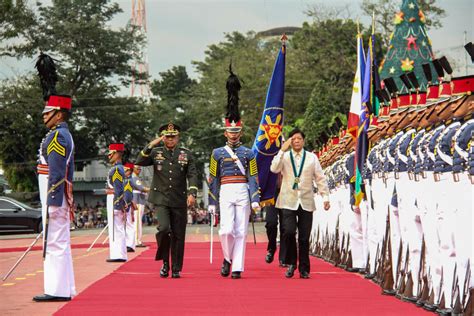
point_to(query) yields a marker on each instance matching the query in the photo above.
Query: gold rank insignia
(213, 167)
(128, 187)
(253, 167)
(117, 176)
(56, 146)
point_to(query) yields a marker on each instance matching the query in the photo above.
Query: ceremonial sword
(22, 256)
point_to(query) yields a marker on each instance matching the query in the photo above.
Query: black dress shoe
(389, 292)
(290, 271)
(164, 272)
(116, 260)
(430, 307)
(269, 256)
(140, 246)
(353, 270)
(281, 264)
(236, 275)
(446, 311)
(304, 275)
(175, 275)
(130, 249)
(225, 270)
(50, 298)
(369, 276)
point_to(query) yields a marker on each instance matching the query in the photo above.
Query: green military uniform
(168, 192)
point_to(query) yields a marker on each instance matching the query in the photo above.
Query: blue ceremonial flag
(268, 139)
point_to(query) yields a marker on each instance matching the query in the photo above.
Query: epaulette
(183, 148)
(467, 117)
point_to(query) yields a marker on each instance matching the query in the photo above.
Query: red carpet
(137, 289)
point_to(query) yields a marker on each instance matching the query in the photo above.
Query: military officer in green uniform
(171, 194)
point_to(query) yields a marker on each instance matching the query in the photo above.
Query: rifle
(404, 274)
(399, 277)
(386, 266)
(424, 287)
(336, 252)
(467, 281)
(343, 251)
(22, 256)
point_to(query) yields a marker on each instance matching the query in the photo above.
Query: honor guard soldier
(233, 186)
(130, 227)
(55, 172)
(116, 205)
(171, 194)
(139, 198)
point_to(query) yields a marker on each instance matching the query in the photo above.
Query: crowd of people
(86, 217)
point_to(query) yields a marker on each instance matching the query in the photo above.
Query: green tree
(89, 54)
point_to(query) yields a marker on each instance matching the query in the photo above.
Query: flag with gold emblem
(268, 140)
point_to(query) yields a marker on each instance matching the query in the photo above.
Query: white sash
(235, 158)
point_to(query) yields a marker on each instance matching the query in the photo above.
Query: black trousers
(171, 234)
(303, 220)
(271, 218)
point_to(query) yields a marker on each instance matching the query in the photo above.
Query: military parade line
(400, 189)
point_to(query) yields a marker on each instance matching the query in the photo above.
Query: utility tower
(139, 87)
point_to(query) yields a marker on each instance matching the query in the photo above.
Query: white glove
(256, 206)
(211, 209)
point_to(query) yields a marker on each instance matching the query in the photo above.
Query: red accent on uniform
(232, 124)
(433, 92)
(117, 147)
(62, 102)
(129, 166)
(463, 85)
(445, 89)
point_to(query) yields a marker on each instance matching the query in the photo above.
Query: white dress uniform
(232, 188)
(55, 172)
(115, 213)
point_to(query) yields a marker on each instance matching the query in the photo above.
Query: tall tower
(140, 87)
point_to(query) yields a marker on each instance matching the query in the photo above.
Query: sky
(179, 31)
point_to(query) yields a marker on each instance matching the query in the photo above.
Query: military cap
(169, 129)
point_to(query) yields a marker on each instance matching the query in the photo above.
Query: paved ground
(27, 280)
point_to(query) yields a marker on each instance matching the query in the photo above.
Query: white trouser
(130, 232)
(339, 212)
(371, 231)
(427, 201)
(410, 225)
(463, 234)
(380, 211)
(57, 265)
(445, 193)
(139, 223)
(116, 220)
(234, 205)
(357, 238)
(383, 192)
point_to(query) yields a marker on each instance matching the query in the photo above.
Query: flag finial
(373, 22)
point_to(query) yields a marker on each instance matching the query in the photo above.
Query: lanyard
(297, 175)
